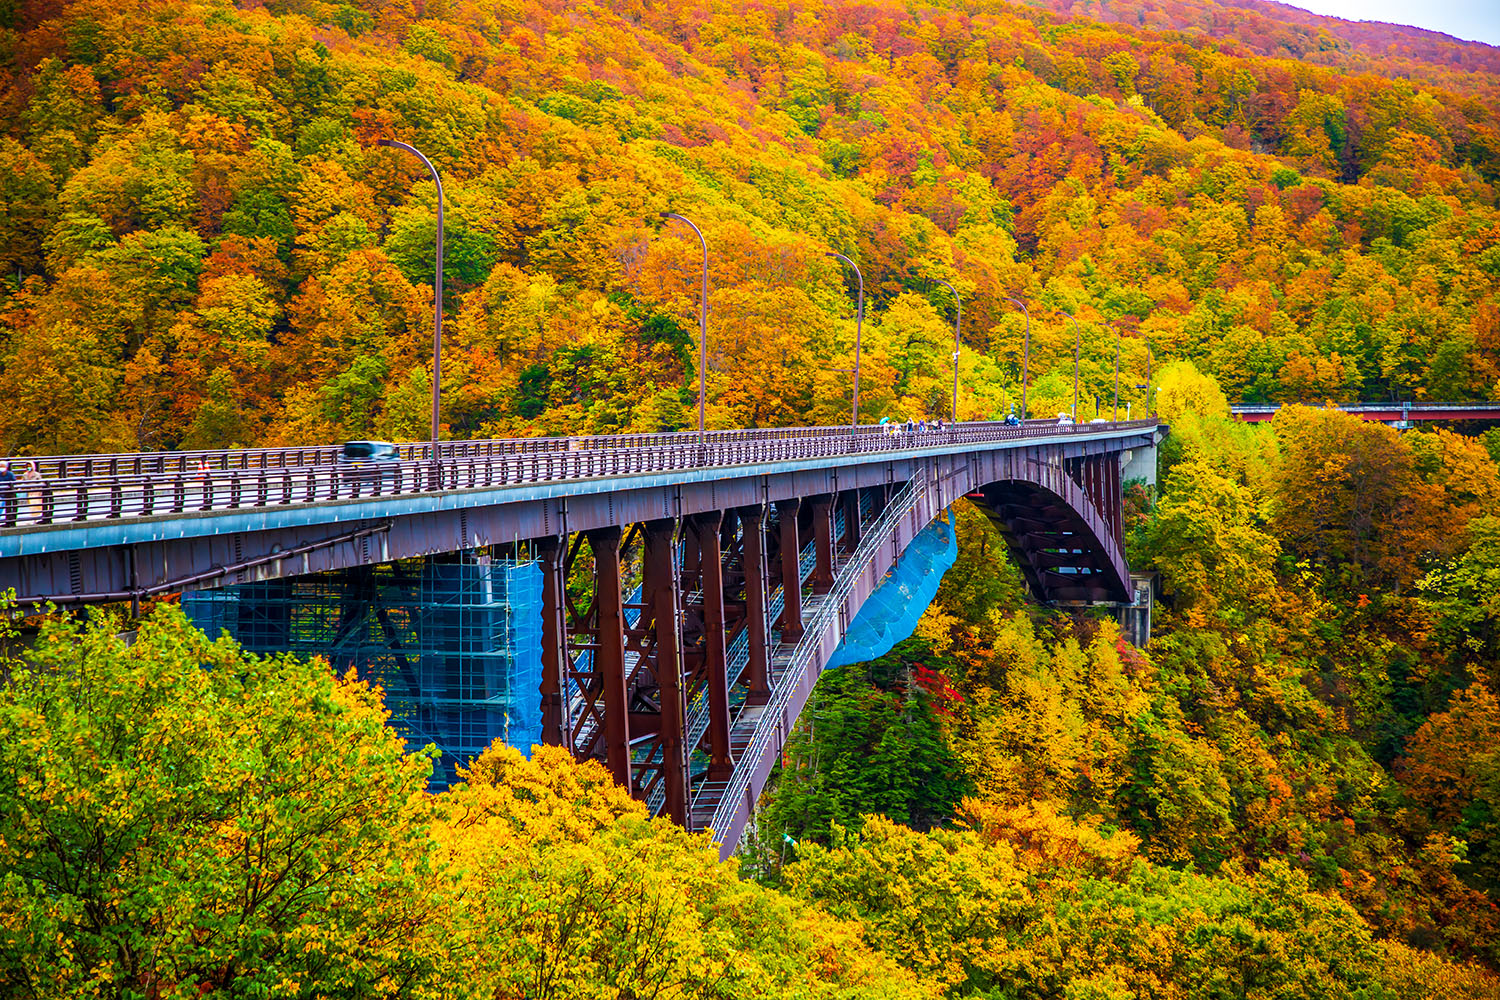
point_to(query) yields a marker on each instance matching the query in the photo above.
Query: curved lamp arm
(957, 324)
(702, 321)
(859, 322)
(437, 297)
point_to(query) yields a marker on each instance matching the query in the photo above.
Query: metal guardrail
(145, 463)
(184, 488)
(1374, 407)
(833, 605)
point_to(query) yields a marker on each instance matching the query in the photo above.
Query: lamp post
(1025, 354)
(957, 323)
(437, 297)
(1149, 359)
(859, 323)
(1077, 349)
(702, 322)
(1116, 415)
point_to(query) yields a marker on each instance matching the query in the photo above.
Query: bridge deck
(46, 515)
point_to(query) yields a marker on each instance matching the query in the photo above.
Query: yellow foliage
(569, 890)
(1181, 388)
(1047, 842)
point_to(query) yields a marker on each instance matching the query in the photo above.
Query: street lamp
(859, 322)
(1077, 348)
(1025, 354)
(702, 322)
(1149, 359)
(1116, 415)
(437, 296)
(957, 323)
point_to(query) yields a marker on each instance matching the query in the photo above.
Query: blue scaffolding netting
(890, 613)
(455, 646)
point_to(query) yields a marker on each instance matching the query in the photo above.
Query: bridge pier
(822, 518)
(753, 563)
(609, 652)
(713, 668)
(554, 639)
(1139, 463)
(850, 499)
(791, 569)
(659, 588)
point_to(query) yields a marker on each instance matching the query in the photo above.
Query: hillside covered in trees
(201, 244)
(1294, 791)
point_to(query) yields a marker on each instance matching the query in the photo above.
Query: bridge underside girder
(1063, 545)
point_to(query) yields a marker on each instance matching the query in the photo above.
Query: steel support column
(822, 518)
(609, 658)
(715, 669)
(757, 673)
(850, 500)
(791, 571)
(554, 639)
(659, 588)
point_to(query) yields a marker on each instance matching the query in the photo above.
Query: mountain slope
(208, 248)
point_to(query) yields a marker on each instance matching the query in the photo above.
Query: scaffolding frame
(453, 644)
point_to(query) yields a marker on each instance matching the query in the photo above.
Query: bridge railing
(181, 489)
(1412, 406)
(187, 463)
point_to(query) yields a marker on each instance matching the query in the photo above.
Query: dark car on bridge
(370, 462)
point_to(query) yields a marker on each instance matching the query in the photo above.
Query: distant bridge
(756, 549)
(1390, 413)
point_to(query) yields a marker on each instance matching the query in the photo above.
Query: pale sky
(1473, 20)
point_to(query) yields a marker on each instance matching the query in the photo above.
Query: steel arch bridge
(757, 549)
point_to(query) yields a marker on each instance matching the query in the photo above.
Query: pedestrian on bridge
(7, 496)
(32, 492)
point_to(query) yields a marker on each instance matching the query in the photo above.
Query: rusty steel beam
(753, 528)
(609, 658)
(850, 500)
(791, 570)
(660, 591)
(822, 525)
(554, 639)
(715, 670)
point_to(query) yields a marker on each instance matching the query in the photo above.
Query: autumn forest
(1292, 791)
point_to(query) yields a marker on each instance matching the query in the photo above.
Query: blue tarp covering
(454, 645)
(890, 614)
(523, 587)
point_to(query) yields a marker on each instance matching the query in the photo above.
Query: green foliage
(177, 818)
(870, 741)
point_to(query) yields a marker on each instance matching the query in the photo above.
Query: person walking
(32, 492)
(7, 496)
